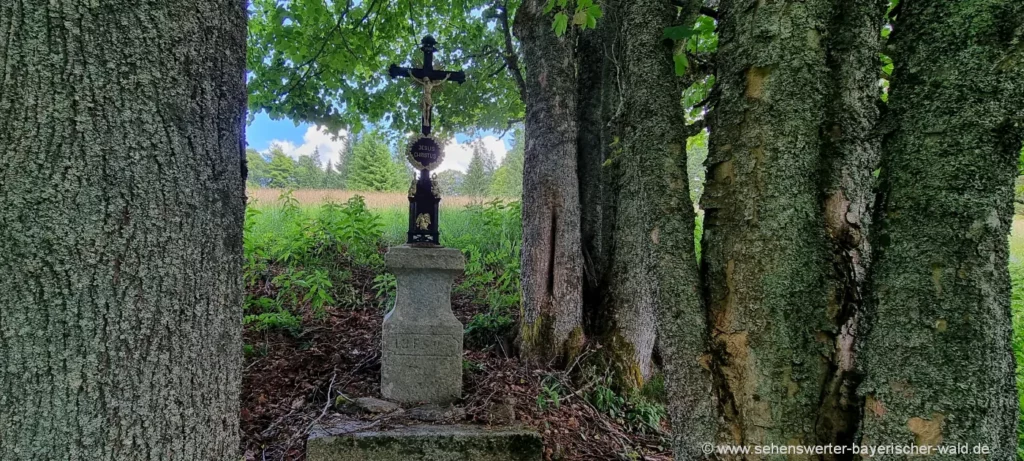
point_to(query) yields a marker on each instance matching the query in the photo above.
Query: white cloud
(457, 155)
(330, 147)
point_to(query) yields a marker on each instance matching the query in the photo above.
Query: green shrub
(606, 400)
(638, 411)
(643, 415)
(492, 269)
(300, 258)
(386, 287)
(489, 328)
(550, 393)
(266, 314)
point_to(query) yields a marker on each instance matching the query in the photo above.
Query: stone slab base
(423, 443)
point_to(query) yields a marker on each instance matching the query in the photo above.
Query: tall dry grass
(373, 199)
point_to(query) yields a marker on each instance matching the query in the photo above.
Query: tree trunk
(551, 322)
(937, 356)
(764, 245)
(850, 151)
(595, 86)
(121, 208)
(601, 113)
(656, 266)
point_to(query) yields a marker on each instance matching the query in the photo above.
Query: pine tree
(508, 178)
(308, 172)
(480, 172)
(373, 168)
(258, 169)
(332, 179)
(347, 158)
(281, 169)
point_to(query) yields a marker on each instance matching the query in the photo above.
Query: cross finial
(428, 48)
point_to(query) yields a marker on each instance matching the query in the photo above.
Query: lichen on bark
(764, 247)
(657, 280)
(121, 208)
(551, 257)
(937, 356)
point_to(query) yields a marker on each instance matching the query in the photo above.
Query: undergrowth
(299, 259)
(304, 263)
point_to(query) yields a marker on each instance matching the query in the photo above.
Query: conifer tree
(373, 168)
(480, 172)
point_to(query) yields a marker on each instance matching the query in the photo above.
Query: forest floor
(292, 382)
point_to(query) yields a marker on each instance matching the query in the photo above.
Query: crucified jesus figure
(427, 103)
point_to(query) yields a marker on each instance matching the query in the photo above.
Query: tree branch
(510, 55)
(498, 70)
(308, 65)
(486, 50)
(511, 123)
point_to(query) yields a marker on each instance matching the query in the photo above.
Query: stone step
(357, 442)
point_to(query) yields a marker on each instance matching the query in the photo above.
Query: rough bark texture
(121, 207)
(595, 74)
(850, 151)
(764, 243)
(647, 169)
(621, 306)
(551, 321)
(656, 269)
(937, 356)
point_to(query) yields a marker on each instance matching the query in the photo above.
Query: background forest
(370, 163)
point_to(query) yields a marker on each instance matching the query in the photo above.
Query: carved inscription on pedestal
(425, 345)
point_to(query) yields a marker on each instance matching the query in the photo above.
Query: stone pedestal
(422, 350)
(350, 442)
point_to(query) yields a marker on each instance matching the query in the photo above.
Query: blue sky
(303, 139)
(263, 130)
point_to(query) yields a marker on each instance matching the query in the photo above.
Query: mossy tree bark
(850, 152)
(764, 244)
(551, 327)
(121, 208)
(657, 278)
(937, 358)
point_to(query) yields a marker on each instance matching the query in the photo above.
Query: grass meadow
(391, 207)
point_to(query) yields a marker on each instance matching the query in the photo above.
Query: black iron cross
(427, 77)
(424, 196)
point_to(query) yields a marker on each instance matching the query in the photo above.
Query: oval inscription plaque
(425, 153)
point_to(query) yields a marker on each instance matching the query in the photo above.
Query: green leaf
(886, 63)
(560, 23)
(678, 32)
(681, 63)
(595, 11)
(705, 25)
(584, 4)
(591, 22)
(549, 6)
(580, 18)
